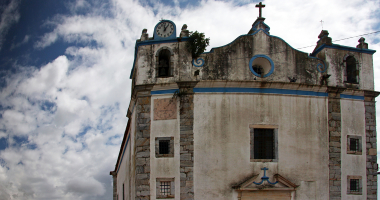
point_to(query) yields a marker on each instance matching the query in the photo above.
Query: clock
(165, 30)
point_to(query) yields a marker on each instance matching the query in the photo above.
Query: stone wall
(334, 124)
(186, 142)
(143, 148)
(371, 148)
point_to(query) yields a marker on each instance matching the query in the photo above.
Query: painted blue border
(163, 91)
(340, 47)
(261, 56)
(267, 28)
(195, 63)
(260, 90)
(172, 36)
(122, 156)
(346, 96)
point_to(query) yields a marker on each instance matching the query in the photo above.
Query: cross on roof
(322, 24)
(260, 5)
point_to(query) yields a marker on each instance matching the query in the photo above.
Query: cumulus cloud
(70, 113)
(85, 186)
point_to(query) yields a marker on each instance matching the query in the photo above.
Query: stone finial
(323, 39)
(184, 31)
(362, 44)
(184, 27)
(144, 35)
(324, 33)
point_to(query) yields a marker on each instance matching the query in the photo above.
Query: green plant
(197, 43)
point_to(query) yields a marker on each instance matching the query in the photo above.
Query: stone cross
(322, 24)
(260, 5)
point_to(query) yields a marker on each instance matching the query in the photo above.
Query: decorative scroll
(199, 62)
(321, 67)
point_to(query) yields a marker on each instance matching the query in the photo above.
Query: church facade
(254, 119)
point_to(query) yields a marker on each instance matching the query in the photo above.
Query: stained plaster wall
(230, 62)
(126, 172)
(336, 67)
(145, 72)
(124, 175)
(353, 123)
(164, 167)
(222, 142)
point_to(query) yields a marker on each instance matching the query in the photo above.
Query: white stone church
(253, 119)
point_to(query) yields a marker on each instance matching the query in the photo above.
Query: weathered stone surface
(371, 151)
(186, 147)
(142, 142)
(334, 116)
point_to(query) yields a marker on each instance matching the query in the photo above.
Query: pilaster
(142, 156)
(371, 146)
(186, 140)
(335, 160)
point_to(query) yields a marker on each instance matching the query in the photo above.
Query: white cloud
(85, 186)
(88, 88)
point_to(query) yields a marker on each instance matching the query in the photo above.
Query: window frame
(360, 185)
(357, 71)
(159, 195)
(171, 62)
(171, 147)
(252, 142)
(360, 149)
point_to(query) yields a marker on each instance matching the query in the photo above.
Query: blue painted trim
(261, 56)
(340, 47)
(172, 36)
(122, 156)
(346, 96)
(149, 42)
(198, 60)
(163, 91)
(260, 90)
(267, 28)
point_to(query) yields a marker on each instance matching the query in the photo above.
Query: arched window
(351, 70)
(164, 63)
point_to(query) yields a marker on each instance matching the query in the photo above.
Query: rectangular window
(164, 146)
(264, 143)
(354, 185)
(165, 188)
(123, 192)
(354, 144)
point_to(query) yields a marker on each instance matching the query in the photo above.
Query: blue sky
(65, 66)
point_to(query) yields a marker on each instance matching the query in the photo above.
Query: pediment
(281, 183)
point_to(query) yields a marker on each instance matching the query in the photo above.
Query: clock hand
(166, 27)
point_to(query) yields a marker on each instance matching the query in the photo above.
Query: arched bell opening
(351, 72)
(164, 62)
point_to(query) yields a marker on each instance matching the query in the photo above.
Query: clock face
(165, 29)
